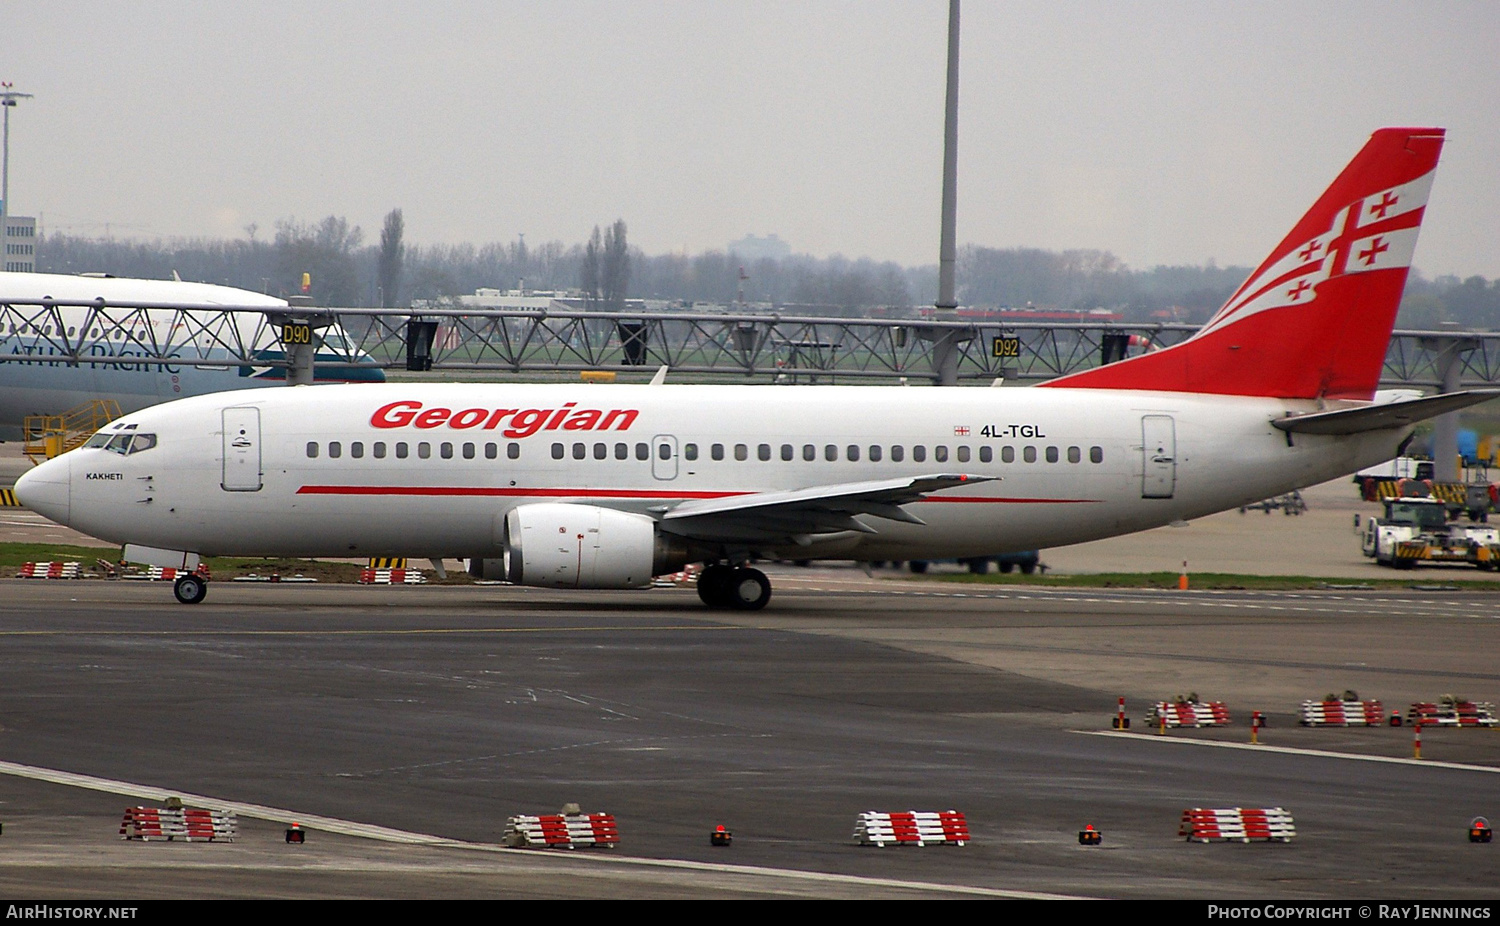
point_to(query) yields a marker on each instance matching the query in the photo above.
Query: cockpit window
(123, 444)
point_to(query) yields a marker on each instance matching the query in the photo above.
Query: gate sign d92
(1006, 347)
(296, 333)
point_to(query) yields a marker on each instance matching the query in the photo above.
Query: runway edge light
(1479, 830)
(1088, 836)
(721, 836)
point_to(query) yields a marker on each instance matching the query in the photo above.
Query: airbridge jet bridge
(741, 347)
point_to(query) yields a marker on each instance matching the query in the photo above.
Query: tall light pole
(8, 98)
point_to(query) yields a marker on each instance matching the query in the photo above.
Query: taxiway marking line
(345, 633)
(1290, 750)
(388, 834)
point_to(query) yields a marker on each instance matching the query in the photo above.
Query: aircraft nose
(47, 489)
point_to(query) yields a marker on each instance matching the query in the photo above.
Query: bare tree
(388, 263)
(615, 275)
(588, 273)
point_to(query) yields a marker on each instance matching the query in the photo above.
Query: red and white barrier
(688, 576)
(391, 577)
(50, 571)
(1454, 713)
(186, 824)
(911, 828)
(167, 573)
(563, 831)
(1237, 823)
(1188, 714)
(1342, 714)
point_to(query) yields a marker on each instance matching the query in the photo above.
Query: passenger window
(940, 454)
(446, 449)
(741, 452)
(1028, 453)
(918, 454)
(898, 453)
(664, 450)
(357, 450)
(787, 452)
(601, 451)
(335, 449)
(379, 448)
(1096, 454)
(491, 451)
(424, 450)
(401, 450)
(831, 453)
(557, 451)
(874, 453)
(852, 452)
(763, 452)
(643, 451)
(622, 451)
(468, 451)
(312, 449)
(716, 451)
(690, 451)
(513, 450)
(580, 451)
(1051, 454)
(1075, 455)
(1007, 454)
(986, 454)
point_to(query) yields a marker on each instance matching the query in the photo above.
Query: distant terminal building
(1031, 314)
(20, 244)
(752, 248)
(528, 300)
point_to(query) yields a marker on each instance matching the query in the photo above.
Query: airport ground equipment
(1237, 824)
(1416, 529)
(8, 499)
(911, 828)
(1449, 711)
(1088, 836)
(295, 835)
(720, 836)
(1188, 712)
(53, 570)
(1347, 711)
(1291, 503)
(47, 436)
(184, 824)
(562, 831)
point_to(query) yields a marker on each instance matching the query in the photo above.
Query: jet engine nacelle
(585, 546)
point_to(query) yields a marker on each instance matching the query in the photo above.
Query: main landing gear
(191, 588)
(738, 588)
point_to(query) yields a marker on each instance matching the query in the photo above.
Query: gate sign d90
(296, 333)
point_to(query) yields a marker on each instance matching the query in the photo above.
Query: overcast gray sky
(1165, 132)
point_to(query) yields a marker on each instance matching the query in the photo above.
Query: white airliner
(588, 486)
(111, 337)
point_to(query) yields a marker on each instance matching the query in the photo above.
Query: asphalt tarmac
(402, 726)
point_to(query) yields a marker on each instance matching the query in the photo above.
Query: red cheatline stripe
(485, 491)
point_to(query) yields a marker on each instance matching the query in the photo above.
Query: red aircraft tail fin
(1315, 318)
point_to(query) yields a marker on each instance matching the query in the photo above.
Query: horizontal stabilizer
(1383, 417)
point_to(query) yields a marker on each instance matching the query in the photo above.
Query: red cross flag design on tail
(1314, 319)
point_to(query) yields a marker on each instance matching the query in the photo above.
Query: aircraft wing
(1381, 417)
(797, 514)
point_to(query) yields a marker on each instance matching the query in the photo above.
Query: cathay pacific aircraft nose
(47, 489)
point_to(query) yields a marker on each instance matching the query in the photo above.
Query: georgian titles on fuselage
(524, 422)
